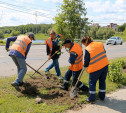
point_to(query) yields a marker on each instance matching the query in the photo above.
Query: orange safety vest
(21, 44)
(98, 58)
(78, 65)
(49, 42)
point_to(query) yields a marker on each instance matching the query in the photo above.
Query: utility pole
(36, 20)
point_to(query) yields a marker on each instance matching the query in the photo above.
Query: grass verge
(12, 101)
(121, 35)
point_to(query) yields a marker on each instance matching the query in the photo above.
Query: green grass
(41, 36)
(2, 42)
(12, 101)
(121, 35)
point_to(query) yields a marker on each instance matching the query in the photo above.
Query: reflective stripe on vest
(97, 55)
(50, 45)
(21, 44)
(98, 58)
(18, 43)
(78, 65)
(77, 61)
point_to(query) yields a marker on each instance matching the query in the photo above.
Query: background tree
(124, 31)
(1, 35)
(100, 33)
(71, 21)
(121, 28)
(15, 33)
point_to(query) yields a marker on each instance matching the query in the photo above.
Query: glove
(49, 57)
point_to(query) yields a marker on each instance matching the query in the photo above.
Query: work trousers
(55, 64)
(93, 78)
(75, 75)
(21, 68)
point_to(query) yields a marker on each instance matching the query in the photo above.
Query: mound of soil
(55, 95)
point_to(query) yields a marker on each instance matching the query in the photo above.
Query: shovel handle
(44, 63)
(34, 69)
(79, 76)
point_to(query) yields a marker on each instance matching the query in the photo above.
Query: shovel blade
(73, 92)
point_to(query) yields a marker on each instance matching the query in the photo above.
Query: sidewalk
(114, 103)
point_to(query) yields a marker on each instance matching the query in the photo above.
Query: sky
(22, 12)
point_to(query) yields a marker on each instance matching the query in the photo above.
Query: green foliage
(124, 32)
(100, 32)
(115, 70)
(15, 33)
(1, 35)
(41, 36)
(2, 42)
(39, 28)
(121, 28)
(71, 21)
(121, 35)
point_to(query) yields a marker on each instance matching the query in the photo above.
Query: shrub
(1, 41)
(115, 73)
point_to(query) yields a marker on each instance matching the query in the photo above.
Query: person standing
(52, 47)
(76, 61)
(18, 52)
(96, 61)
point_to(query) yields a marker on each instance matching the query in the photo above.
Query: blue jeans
(93, 78)
(21, 68)
(55, 64)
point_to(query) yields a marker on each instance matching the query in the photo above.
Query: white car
(114, 41)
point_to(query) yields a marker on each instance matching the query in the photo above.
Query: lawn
(121, 35)
(12, 101)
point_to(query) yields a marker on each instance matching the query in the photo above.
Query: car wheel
(106, 43)
(121, 43)
(115, 43)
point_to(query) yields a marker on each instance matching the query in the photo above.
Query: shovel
(44, 63)
(34, 69)
(74, 90)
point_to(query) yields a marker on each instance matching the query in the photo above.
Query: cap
(66, 41)
(32, 35)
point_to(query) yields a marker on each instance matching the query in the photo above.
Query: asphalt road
(37, 56)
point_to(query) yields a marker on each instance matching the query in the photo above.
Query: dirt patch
(54, 94)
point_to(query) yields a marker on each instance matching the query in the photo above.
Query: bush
(15, 33)
(1, 41)
(115, 73)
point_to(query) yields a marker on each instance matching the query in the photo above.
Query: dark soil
(55, 94)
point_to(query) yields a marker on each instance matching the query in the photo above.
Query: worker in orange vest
(76, 61)
(97, 63)
(18, 52)
(51, 47)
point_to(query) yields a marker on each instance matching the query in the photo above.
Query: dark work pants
(75, 75)
(93, 78)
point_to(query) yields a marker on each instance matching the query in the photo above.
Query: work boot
(65, 86)
(16, 86)
(47, 73)
(89, 101)
(60, 78)
(21, 83)
(84, 88)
